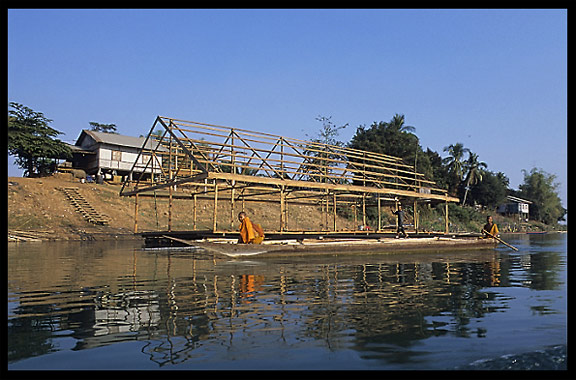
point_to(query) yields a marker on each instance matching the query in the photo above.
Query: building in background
(515, 207)
(112, 156)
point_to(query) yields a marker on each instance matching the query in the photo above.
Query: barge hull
(333, 245)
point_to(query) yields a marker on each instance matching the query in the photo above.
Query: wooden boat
(226, 246)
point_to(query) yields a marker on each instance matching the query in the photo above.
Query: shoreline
(38, 236)
(38, 210)
(108, 234)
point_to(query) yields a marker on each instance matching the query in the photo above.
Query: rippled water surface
(114, 305)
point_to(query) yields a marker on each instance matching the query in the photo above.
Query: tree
(455, 164)
(397, 124)
(475, 172)
(540, 188)
(491, 191)
(393, 138)
(319, 150)
(106, 128)
(437, 171)
(31, 141)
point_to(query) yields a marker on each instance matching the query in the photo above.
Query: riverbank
(39, 211)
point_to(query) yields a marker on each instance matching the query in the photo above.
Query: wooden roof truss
(207, 158)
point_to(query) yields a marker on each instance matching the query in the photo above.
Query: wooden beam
(328, 186)
(164, 185)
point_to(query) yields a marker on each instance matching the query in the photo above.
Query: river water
(115, 305)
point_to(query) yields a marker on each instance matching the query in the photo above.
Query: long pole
(500, 240)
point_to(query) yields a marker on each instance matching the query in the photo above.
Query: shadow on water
(134, 308)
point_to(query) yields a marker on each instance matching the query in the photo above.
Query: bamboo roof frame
(209, 158)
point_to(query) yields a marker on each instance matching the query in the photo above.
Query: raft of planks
(228, 246)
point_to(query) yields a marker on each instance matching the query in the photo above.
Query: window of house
(116, 155)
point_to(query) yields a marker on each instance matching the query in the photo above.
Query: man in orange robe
(490, 227)
(249, 233)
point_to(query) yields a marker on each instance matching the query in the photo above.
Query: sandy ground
(37, 209)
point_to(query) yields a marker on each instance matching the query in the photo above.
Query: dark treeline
(460, 171)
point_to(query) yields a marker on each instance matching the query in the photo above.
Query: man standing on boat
(250, 233)
(400, 214)
(490, 227)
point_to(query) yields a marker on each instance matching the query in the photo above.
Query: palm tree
(455, 164)
(475, 172)
(397, 123)
(455, 159)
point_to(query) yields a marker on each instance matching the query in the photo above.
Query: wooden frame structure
(239, 165)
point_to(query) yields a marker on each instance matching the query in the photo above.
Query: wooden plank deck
(285, 244)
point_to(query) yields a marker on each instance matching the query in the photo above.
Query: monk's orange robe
(491, 229)
(247, 233)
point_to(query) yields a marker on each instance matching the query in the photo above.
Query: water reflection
(189, 308)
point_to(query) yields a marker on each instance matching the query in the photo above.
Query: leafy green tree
(474, 172)
(393, 138)
(31, 140)
(397, 139)
(540, 188)
(437, 171)
(106, 128)
(491, 191)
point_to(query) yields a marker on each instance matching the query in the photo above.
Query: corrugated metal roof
(117, 139)
(518, 200)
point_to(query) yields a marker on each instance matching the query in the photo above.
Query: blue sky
(494, 80)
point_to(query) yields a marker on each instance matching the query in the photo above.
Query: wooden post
(282, 208)
(363, 210)
(334, 210)
(215, 217)
(415, 216)
(447, 227)
(170, 207)
(194, 216)
(232, 154)
(232, 205)
(282, 156)
(379, 214)
(326, 201)
(170, 187)
(285, 211)
(396, 203)
(136, 213)
(232, 191)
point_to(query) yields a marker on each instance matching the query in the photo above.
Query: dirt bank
(37, 209)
